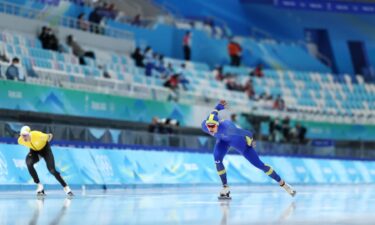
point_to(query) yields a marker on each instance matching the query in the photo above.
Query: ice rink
(349, 204)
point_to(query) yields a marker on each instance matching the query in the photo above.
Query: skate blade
(224, 198)
(293, 193)
(70, 195)
(41, 195)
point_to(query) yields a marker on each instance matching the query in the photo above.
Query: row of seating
(317, 92)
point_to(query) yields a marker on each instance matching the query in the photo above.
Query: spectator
(218, 73)
(106, 74)
(286, 129)
(249, 89)
(148, 60)
(48, 39)
(258, 71)
(279, 103)
(300, 133)
(78, 51)
(95, 18)
(3, 57)
(137, 20)
(186, 43)
(53, 41)
(12, 73)
(155, 126)
(43, 37)
(160, 66)
(271, 130)
(169, 71)
(275, 129)
(138, 57)
(234, 51)
(82, 23)
(183, 80)
(232, 85)
(109, 11)
(173, 84)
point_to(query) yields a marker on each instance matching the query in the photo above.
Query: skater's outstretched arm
(220, 106)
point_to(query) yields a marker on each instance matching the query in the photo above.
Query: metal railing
(120, 88)
(60, 20)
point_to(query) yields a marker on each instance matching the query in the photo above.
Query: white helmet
(25, 130)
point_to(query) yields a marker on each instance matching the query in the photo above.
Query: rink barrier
(140, 167)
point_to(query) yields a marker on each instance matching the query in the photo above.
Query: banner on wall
(28, 97)
(329, 6)
(124, 167)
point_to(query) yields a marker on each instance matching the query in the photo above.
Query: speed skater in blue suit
(228, 135)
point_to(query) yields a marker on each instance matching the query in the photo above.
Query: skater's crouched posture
(39, 146)
(229, 135)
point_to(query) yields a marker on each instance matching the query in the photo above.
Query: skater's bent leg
(221, 171)
(32, 158)
(50, 161)
(254, 159)
(220, 151)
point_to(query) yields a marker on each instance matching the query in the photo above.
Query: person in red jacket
(234, 52)
(186, 43)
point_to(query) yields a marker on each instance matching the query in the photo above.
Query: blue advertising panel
(128, 167)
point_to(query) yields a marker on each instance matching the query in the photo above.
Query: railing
(45, 15)
(120, 138)
(259, 33)
(103, 85)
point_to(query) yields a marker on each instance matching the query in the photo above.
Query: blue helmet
(213, 118)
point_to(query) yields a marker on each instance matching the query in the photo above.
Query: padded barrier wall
(138, 167)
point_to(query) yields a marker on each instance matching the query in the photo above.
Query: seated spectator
(43, 37)
(48, 39)
(258, 71)
(3, 57)
(105, 72)
(82, 23)
(95, 18)
(249, 89)
(12, 73)
(183, 79)
(218, 73)
(173, 84)
(148, 60)
(279, 103)
(111, 11)
(232, 85)
(138, 58)
(169, 71)
(78, 51)
(137, 20)
(160, 66)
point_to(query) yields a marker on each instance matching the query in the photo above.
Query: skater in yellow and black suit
(38, 143)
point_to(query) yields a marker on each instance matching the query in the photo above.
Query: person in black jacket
(138, 57)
